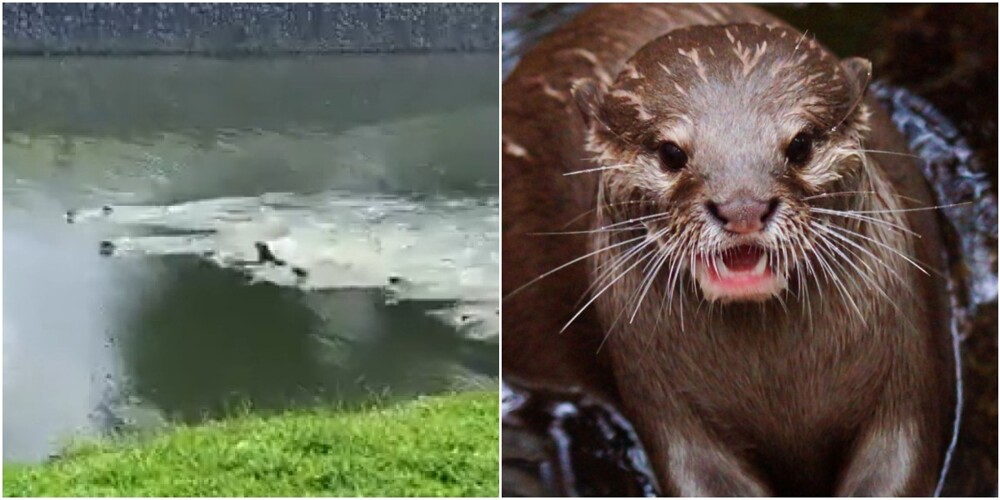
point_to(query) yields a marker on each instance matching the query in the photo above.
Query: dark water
(375, 175)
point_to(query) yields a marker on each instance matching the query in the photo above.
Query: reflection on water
(268, 345)
(382, 165)
(58, 306)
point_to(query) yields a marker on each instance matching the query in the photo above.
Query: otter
(708, 222)
(106, 248)
(265, 255)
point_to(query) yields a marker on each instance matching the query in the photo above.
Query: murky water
(372, 179)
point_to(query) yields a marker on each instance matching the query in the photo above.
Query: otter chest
(778, 388)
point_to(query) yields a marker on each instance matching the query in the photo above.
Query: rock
(566, 443)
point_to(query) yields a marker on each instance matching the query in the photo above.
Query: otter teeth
(725, 272)
(721, 268)
(761, 264)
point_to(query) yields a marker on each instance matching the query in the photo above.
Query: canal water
(139, 195)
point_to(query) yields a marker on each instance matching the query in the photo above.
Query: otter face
(717, 140)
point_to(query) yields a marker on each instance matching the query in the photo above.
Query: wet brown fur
(848, 395)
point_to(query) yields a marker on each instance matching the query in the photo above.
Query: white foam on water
(429, 249)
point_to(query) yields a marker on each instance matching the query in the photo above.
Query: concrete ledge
(247, 29)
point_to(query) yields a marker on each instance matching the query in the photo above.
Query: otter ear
(859, 72)
(589, 96)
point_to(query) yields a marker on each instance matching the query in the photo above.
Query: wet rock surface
(566, 443)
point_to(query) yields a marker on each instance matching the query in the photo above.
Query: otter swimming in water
(265, 255)
(707, 221)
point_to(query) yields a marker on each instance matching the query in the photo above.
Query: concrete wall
(247, 29)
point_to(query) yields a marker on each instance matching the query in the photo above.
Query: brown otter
(707, 221)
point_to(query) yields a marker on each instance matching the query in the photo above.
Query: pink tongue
(741, 258)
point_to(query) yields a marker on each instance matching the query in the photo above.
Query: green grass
(438, 446)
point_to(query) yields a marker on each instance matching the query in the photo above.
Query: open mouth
(740, 273)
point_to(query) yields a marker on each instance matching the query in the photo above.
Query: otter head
(716, 141)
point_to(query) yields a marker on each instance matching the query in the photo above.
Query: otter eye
(800, 148)
(672, 157)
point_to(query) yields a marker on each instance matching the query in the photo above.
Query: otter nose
(743, 216)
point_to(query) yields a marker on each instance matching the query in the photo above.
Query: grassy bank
(440, 446)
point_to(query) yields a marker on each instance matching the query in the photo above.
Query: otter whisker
(800, 240)
(649, 237)
(679, 247)
(784, 253)
(656, 216)
(597, 169)
(858, 216)
(592, 231)
(711, 305)
(599, 293)
(781, 302)
(901, 210)
(649, 282)
(673, 269)
(584, 214)
(609, 267)
(892, 301)
(803, 294)
(782, 256)
(869, 253)
(676, 270)
(574, 261)
(668, 292)
(632, 251)
(617, 261)
(702, 301)
(893, 153)
(879, 243)
(789, 265)
(825, 261)
(611, 328)
(871, 281)
(838, 283)
(691, 265)
(851, 193)
(820, 266)
(645, 273)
